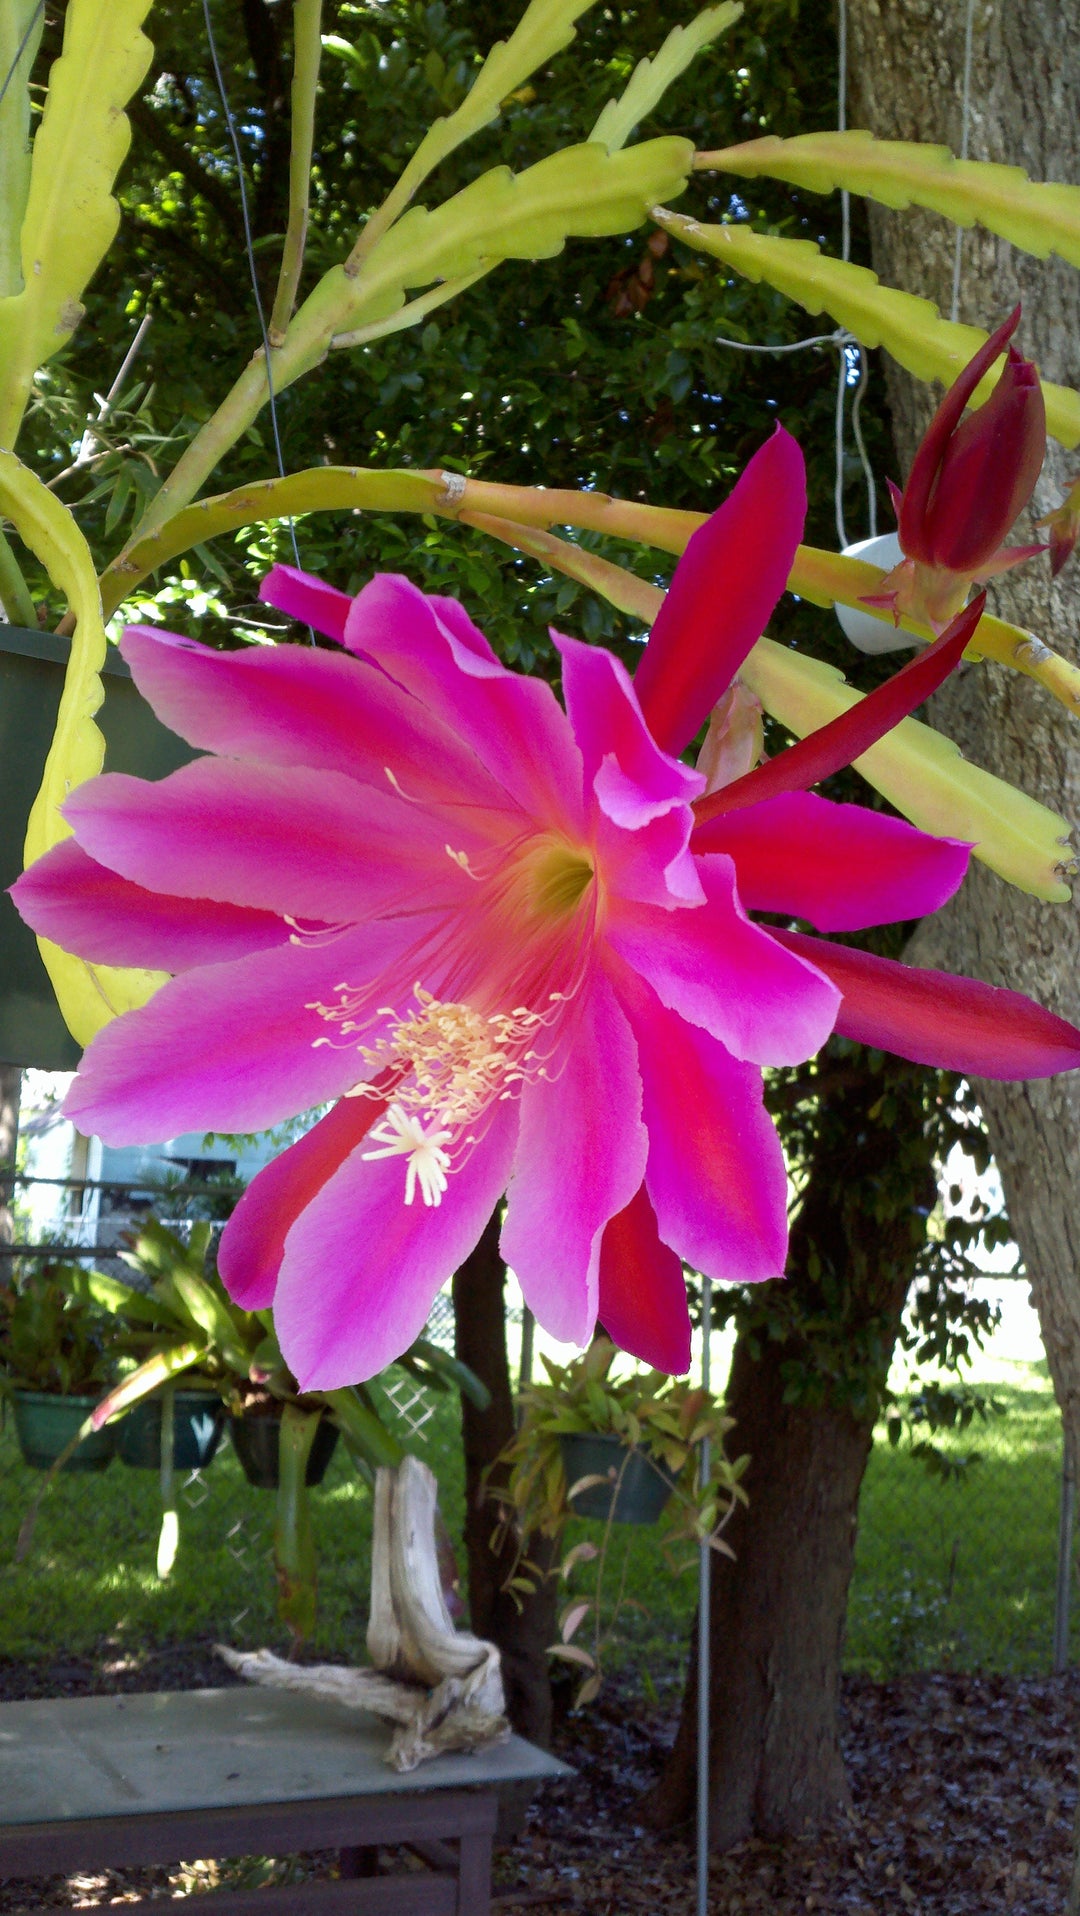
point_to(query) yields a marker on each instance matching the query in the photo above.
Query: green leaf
(139, 1383)
(1038, 217)
(362, 1429)
(294, 1543)
(909, 328)
(453, 1372)
(651, 78)
(71, 216)
(88, 995)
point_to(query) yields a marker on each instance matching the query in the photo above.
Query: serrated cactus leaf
(1040, 217)
(651, 78)
(908, 327)
(88, 995)
(71, 216)
(580, 192)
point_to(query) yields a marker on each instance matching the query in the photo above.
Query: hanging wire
(250, 251)
(965, 128)
(21, 48)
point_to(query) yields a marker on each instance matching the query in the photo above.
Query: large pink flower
(501, 939)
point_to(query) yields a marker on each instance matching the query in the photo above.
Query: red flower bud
(1064, 524)
(970, 480)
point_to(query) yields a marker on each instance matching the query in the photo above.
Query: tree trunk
(10, 1089)
(804, 1403)
(907, 62)
(522, 1634)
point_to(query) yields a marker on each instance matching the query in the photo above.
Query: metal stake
(704, 1585)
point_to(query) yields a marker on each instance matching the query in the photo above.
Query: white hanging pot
(866, 633)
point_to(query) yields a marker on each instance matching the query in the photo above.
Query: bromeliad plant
(671, 1424)
(51, 1338)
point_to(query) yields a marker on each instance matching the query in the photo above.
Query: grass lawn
(957, 1574)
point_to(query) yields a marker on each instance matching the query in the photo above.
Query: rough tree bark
(907, 58)
(778, 1608)
(521, 1634)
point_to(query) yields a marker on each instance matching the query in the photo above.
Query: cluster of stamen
(452, 1065)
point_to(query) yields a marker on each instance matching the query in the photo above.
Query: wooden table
(99, 1782)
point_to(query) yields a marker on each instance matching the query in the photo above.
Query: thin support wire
(704, 1633)
(856, 427)
(249, 247)
(841, 118)
(965, 129)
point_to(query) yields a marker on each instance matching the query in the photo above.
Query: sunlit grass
(957, 1573)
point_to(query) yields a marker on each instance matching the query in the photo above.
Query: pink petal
(253, 1241)
(307, 600)
(716, 969)
(361, 1267)
(312, 845)
(514, 724)
(643, 1291)
(725, 586)
(633, 779)
(839, 866)
(933, 1018)
(580, 1159)
(716, 1174)
(846, 738)
(85, 908)
(235, 1047)
(293, 705)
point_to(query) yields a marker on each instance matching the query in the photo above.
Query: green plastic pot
(198, 1423)
(255, 1441)
(45, 1424)
(644, 1487)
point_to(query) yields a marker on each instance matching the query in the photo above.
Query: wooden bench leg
(360, 1860)
(474, 1875)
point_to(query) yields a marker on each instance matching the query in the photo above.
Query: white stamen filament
(401, 1134)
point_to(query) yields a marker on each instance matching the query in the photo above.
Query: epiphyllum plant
(511, 942)
(969, 481)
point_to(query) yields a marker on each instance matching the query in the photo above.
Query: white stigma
(402, 1134)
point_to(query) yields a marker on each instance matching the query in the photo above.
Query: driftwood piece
(442, 1687)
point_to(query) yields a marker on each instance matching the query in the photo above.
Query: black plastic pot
(642, 1489)
(255, 1441)
(198, 1423)
(32, 665)
(45, 1424)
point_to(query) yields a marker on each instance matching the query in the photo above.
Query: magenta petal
(292, 705)
(936, 1019)
(580, 1159)
(253, 1241)
(233, 1047)
(843, 740)
(716, 1174)
(515, 725)
(841, 867)
(87, 909)
(307, 599)
(725, 586)
(312, 845)
(633, 779)
(642, 1290)
(716, 969)
(361, 1267)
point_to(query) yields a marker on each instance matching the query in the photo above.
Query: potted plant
(622, 1447)
(55, 1364)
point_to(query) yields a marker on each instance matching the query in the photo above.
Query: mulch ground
(963, 1791)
